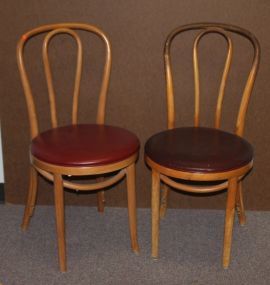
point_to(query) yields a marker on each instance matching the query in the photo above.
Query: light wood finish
(197, 76)
(31, 200)
(62, 28)
(101, 201)
(164, 199)
(86, 187)
(86, 170)
(60, 220)
(240, 205)
(191, 188)
(155, 205)
(198, 176)
(229, 219)
(132, 207)
(56, 173)
(229, 179)
(221, 29)
(48, 74)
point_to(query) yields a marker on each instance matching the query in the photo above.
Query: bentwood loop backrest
(51, 31)
(224, 31)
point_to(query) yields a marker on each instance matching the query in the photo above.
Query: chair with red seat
(76, 149)
(198, 154)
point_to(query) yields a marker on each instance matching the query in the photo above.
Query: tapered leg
(229, 220)
(31, 199)
(101, 201)
(60, 220)
(164, 200)
(131, 195)
(155, 212)
(240, 205)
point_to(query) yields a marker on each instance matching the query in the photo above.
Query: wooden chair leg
(31, 199)
(240, 205)
(229, 220)
(60, 220)
(164, 200)
(155, 200)
(100, 201)
(131, 195)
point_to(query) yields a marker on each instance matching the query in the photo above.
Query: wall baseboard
(2, 193)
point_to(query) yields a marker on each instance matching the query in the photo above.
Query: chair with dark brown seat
(187, 158)
(77, 149)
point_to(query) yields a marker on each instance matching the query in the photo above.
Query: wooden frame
(232, 178)
(55, 173)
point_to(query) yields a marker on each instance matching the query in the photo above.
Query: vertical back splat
(48, 74)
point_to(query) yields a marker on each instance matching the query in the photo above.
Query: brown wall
(137, 30)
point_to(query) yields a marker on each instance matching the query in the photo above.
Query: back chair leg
(60, 220)
(229, 220)
(131, 195)
(164, 200)
(100, 199)
(31, 199)
(155, 200)
(240, 205)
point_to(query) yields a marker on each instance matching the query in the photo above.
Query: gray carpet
(99, 252)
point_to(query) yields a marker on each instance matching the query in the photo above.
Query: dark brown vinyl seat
(198, 149)
(197, 159)
(84, 145)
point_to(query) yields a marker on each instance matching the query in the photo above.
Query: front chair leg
(164, 200)
(31, 199)
(229, 220)
(155, 201)
(60, 220)
(131, 195)
(240, 205)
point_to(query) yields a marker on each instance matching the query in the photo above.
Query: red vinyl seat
(84, 145)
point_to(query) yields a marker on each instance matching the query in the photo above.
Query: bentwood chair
(76, 149)
(187, 158)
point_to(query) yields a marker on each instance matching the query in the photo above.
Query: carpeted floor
(98, 248)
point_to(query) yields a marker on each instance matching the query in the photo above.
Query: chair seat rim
(48, 145)
(194, 150)
(83, 170)
(198, 176)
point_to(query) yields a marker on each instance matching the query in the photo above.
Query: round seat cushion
(198, 149)
(84, 145)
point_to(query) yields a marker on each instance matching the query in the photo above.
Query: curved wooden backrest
(221, 29)
(53, 30)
